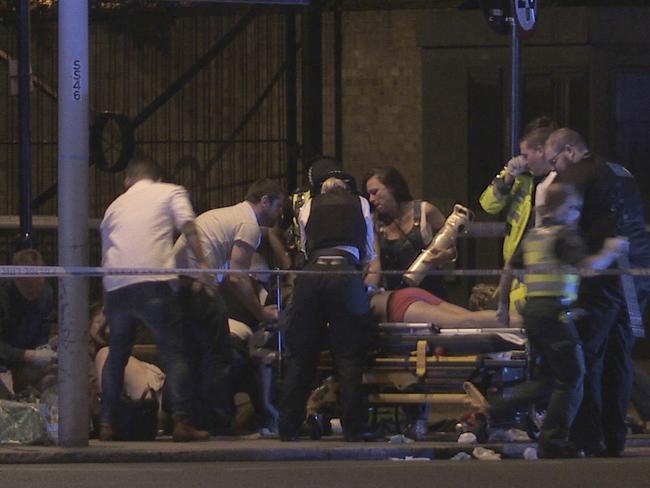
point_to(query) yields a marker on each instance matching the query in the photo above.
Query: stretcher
(420, 364)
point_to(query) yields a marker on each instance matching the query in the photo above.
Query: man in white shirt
(137, 232)
(229, 237)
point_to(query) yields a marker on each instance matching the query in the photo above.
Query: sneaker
(186, 432)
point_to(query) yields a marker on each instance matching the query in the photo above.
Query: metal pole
(278, 299)
(291, 87)
(73, 221)
(515, 99)
(338, 82)
(312, 82)
(24, 147)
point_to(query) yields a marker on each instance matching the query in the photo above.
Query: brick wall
(382, 94)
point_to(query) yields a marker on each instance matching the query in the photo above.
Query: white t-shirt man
(138, 230)
(219, 229)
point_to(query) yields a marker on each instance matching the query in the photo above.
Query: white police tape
(90, 271)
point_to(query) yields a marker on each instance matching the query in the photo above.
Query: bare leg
(449, 316)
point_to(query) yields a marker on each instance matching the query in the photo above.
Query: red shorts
(400, 300)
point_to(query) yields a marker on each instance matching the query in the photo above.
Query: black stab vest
(336, 219)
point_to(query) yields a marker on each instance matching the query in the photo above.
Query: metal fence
(202, 91)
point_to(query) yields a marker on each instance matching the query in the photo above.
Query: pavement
(254, 448)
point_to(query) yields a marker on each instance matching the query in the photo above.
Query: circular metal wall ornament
(525, 14)
(111, 141)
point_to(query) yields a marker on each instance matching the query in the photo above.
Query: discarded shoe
(467, 438)
(484, 454)
(530, 453)
(400, 439)
(461, 456)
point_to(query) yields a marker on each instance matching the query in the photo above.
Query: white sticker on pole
(525, 14)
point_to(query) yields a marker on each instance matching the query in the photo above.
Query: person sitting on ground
(27, 314)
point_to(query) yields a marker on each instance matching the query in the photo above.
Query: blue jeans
(154, 304)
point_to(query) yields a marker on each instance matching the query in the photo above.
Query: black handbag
(138, 419)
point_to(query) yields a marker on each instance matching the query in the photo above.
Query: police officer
(548, 253)
(612, 206)
(320, 168)
(336, 236)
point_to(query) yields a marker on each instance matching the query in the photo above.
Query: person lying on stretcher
(418, 305)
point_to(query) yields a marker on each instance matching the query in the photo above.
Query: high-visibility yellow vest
(546, 275)
(520, 205)
(519, 202)
(298, 199)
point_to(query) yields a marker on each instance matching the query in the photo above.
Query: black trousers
(608, 342)
(554, 338)
(553, 335)
(207, 341)
(340, 301)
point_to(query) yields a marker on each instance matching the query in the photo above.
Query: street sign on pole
(279, 2)
(525, 15)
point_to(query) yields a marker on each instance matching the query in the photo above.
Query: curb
(215, 451)
(164, 451)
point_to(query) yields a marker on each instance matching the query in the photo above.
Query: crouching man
(26, 317)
